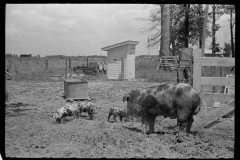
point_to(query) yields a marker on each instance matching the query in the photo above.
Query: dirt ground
(30, 130)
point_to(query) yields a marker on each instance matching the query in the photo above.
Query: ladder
(168, 63)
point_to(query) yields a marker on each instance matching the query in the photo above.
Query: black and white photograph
(119, 80)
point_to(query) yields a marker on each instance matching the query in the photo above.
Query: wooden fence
(227, 100)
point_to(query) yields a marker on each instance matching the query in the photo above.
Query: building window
(115, 60)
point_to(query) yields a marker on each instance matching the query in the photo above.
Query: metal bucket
(76, 89)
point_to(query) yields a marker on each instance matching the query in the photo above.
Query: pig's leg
(151, 122)
(109, 115)
(189, 125)
(181, 126)
(121, 118)
(114, 116)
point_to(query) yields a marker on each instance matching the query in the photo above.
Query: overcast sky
(80, 29)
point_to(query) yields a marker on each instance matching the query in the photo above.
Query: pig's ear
(126, 98)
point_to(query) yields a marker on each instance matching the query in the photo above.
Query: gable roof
(119, 44)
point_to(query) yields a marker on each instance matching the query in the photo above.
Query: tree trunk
(200, 39)
(231, 30)
(165, 30)
(187, 7)
(213, 31)
(200, 31)
(204, 30)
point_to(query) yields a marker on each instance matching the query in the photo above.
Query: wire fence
(147, 70)
(150, 70)
(42, 69)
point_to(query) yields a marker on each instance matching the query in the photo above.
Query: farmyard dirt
(31, 132)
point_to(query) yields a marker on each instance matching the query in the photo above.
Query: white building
(114, 64)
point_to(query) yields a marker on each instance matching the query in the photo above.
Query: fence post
(66, 74)
(122, 69)
(178, 71)
(70, 65)
(46, 64)
(16, 69)
(191, 71)
(11, 71)
(10, 65)
(197, 66)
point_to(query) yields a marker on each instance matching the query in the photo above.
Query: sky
(81, 29)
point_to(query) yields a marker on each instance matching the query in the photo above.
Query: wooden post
(191, 75)
(8, 94)
(197, 66)
(66, 74)
(10, 64)
(46, 64)
(70, 67)
(70, 63)
(178, 70)
(204, 30)
(122, 69)
(11, 71)
(16, 71)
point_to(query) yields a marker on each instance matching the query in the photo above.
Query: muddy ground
(30, 130)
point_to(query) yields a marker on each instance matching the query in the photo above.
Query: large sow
(175, 100)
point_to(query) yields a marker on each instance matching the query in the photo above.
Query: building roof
(119, 44)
